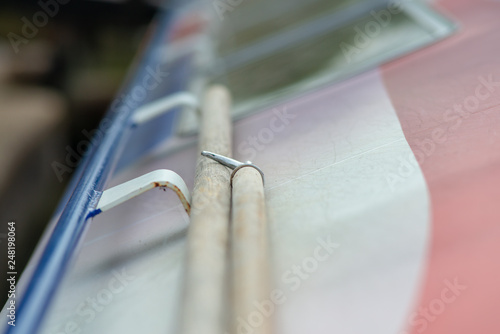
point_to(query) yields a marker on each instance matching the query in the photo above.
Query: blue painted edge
(94, 213)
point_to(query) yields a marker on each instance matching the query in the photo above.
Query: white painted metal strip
(158, 178)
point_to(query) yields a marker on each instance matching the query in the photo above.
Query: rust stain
(185, 203)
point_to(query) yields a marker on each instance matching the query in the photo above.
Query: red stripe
(462, 170)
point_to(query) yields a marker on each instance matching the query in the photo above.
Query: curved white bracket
(130, 189)
(158, 107)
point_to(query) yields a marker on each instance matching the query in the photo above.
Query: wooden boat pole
(249, 252)
(205, 283)
(251, 305)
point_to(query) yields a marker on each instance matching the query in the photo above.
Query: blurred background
(57, 79)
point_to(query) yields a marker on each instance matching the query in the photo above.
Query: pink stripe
(459, 154)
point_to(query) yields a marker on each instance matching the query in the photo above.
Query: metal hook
(235, 165)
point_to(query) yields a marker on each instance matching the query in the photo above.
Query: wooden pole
(249, 251)
(205, 286)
